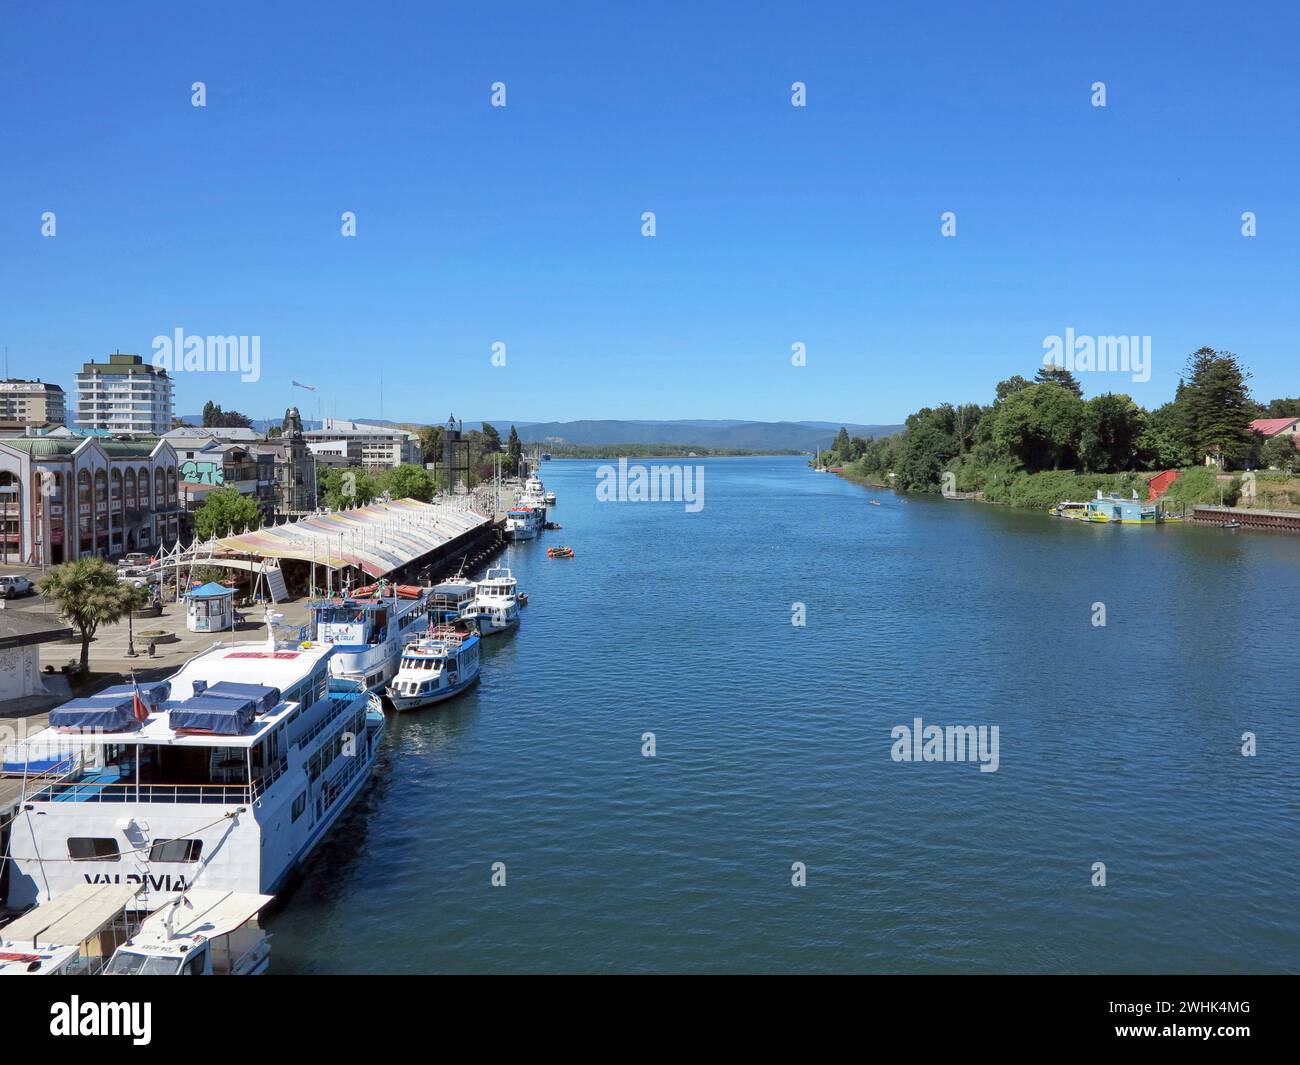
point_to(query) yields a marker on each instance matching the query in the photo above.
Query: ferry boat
(368, 628)
(198, 933)
(225, 776)
(521, 523)
(496, 605)
(434, 668)
(1116, 510)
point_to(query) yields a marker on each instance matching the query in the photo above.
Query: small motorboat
(559, 552)
(874, 502)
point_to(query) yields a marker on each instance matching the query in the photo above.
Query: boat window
(176, 850)
(299, 805)
(93, 849)
(129, 963)
(194, 965)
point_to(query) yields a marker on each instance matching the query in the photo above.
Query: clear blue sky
(775, 224)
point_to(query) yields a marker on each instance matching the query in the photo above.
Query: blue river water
(1118, 744)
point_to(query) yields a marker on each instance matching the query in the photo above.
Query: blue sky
(522, 224)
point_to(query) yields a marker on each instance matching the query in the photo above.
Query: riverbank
(1197, 485)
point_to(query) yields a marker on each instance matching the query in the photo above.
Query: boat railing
(178, 794)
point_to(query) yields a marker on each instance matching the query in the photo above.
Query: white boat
(550, 499)
(70, 936)
(243, 762)
(436, 667)
(534, 495)
(521, 523)
(496, 606)
(367, 630)
(198, 933)
(449, 602)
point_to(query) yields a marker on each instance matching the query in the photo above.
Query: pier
(1277, 520)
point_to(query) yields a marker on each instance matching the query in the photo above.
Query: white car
(13, 585)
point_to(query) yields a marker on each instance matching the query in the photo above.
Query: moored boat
(436, 667)
(496, 606)
(198, 933)
(225, 776)
(368, 628)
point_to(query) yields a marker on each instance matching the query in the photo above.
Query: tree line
(1046, 424)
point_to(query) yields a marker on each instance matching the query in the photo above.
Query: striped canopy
(377, 539)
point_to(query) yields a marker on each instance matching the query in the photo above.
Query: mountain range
(717, 433)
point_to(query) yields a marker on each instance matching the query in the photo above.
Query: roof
(377, 539)
(74, 915)
(18, 628)
(211, 590)
(199, 912)
(1271, 426)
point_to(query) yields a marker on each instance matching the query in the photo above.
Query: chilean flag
(138, 707)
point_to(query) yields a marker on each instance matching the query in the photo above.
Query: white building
(79, 496)
(378, 446)
(126, 396)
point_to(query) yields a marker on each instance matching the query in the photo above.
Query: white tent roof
(76, 915)
(210, 913)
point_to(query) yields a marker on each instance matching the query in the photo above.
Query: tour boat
(436, 667)
(368, 628)
(521, 523)
(534, 495)
(496, 606)
(198, 933)
(550, 499)
(227, 776)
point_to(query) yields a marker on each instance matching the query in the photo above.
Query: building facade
(125, 396)
(76, 497)
(381, 446)
(31, 403)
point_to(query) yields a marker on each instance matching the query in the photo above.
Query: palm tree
(88, 594)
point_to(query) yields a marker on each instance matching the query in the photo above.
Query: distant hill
(749, 436)
(719, 433)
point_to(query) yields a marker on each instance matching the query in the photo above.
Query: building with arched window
(79, 496)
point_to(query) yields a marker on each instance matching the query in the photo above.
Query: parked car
(13, 585)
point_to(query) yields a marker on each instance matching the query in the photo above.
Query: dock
(1276, 520)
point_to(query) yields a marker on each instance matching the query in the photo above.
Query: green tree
(1011, 386)
(1108, 441)
(1163, 444)
(1279, 452)
(211, 415)
(1216, 406)
(1049, 374)
(492, 437)
(407, 481)
(89, 594)
(1040, 426)
(515, 448)
(840, 447)
(1283, 408)
(225, 511)
(350, 487)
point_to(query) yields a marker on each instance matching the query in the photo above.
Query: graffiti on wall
(202, 472)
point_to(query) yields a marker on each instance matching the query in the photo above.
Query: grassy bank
(1016, 488)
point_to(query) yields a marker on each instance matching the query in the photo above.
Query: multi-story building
(295, 467)
(212, 464)
(126, 396)
(80, 496)
(31, 403)
(382, 446)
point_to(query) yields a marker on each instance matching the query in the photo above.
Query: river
(1118, 744)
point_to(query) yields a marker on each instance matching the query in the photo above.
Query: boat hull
(419, 702)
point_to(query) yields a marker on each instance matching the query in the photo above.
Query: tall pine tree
(1215, 407)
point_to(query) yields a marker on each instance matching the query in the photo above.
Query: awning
(376, 539)
(75, 915)
(204, 912)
